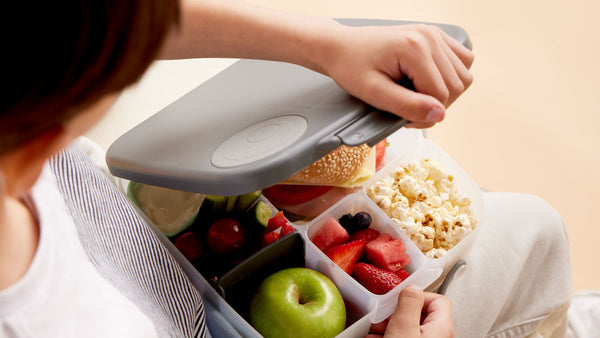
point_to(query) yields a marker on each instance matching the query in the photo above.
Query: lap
(518, 270)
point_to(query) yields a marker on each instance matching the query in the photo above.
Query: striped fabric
(125, 250)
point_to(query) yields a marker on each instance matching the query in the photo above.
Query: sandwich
(314, 189)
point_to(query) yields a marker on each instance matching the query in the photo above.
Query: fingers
(413, 106)
(406, 320)
(438, 322)
(465, 55)
(370, 61)
(418, 314)
(439, 65)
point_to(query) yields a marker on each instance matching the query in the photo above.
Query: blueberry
(347, 221)
(361, 220)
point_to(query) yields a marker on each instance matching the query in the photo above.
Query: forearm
(231, 28)
(367, 62)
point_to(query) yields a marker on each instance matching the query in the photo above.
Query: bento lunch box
(232, 292)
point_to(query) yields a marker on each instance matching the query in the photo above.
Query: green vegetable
(260, 213)
(245, 201)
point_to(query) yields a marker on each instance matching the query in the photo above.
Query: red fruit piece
(294, 194)
(374, 279)
(346, 255)
(365, 235)
(226, 236)
(380, 153)
(330, 234)
(387, 253)
(402, 274)
(275, 222)
(286, 229)
(189, 244)
(270, 237)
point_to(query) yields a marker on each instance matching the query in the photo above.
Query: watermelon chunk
(330, 234)
(365, 235)
(387, 253)
(346, 255)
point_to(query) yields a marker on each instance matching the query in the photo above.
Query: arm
(364, 61)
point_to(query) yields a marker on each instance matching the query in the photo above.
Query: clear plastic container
(422, 273)
(423, 148)
(363, 307)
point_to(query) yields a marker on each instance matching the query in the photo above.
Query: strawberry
(387, 253)
(374, 279)
(346, 255)
(365, 235)
(402, 274)
(270, 237)
(286, 229)
(276, 222)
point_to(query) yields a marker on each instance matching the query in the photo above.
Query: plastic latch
(371, 128)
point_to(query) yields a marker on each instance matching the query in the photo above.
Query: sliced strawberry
(365, 235)
(275, 222)
(346, 255)
(402, 274)
(330, 234)
(270, 237)
(387, 253)
(286, 229)
(374, 279)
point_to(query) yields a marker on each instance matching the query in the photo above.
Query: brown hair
(58, 57)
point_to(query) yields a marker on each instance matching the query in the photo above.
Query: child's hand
(368, 61)
(418, 314)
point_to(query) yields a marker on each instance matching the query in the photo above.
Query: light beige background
(528, 123)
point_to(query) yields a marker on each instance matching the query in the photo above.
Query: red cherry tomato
(189, 244)
(294, 194)
(226, 236)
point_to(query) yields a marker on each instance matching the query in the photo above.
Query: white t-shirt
(62, 294)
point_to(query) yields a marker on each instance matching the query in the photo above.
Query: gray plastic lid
(251, 126)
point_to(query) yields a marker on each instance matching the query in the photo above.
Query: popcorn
(421, 199)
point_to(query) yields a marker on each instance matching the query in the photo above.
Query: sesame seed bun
(344, 167)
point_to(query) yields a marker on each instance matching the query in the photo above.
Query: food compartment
(217, 232)
(420, 271)
(231, 280)
(239, 285)
(426, 206)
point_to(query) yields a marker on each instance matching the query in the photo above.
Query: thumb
(406, 320)
(416, 107)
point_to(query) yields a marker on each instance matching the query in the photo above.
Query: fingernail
(414, 287)
(436, 114)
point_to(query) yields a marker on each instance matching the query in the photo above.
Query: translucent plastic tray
(424, 148)
(363, 307)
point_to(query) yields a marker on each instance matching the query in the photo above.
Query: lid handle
(371, 128)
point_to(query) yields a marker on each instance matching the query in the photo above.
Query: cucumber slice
(213, 205)
(171, 211)
(260, 213)
(246, 200)
(231, 202)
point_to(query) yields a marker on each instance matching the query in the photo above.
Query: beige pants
(517, 281)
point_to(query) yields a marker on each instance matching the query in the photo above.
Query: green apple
(298, 302)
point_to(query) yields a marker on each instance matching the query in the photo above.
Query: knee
(527, 216)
